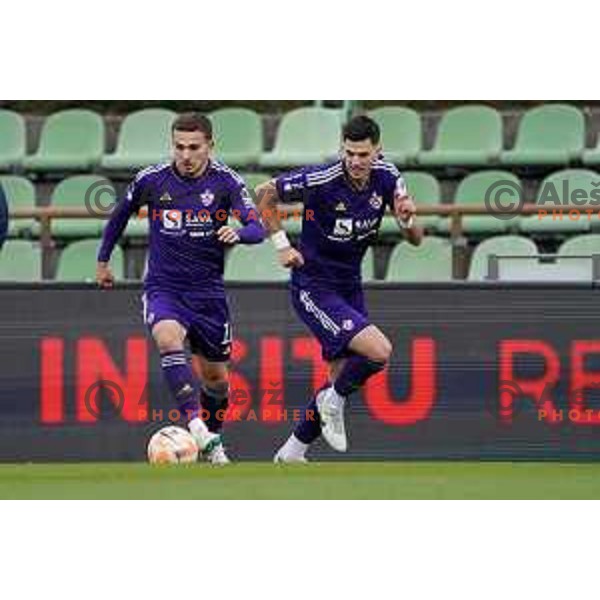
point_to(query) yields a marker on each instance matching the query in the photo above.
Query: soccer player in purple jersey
(188, 203)
(344, 204)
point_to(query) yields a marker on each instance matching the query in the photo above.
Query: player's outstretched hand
(228, 235)
(104, 277)
(405, 208)
(290, 258)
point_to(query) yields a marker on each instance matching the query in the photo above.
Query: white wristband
(280, 240)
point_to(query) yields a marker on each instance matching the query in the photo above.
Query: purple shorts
(206, 320)
(333, 317)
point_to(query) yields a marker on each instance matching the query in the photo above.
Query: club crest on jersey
(166, 197)
(207, 198)
(348, 325)
(340, 206)
(376, 201)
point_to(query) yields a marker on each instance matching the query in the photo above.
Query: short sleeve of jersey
(394, 183)
(292, 187)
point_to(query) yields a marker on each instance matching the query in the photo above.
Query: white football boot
(292, 452)
(216, 456)
(209, 444)
(331, 410)
(281, 458)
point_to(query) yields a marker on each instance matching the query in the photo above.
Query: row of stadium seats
(73, 192)
(74, 140)
(20, 260)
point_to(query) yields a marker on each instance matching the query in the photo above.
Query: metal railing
(455, 212)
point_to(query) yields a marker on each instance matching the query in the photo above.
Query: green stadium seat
(401, 133)
(72, 193)
(431, 261)
(137, 228)
(71, 140)
(144, 139)
(577, 179)
(255, 179)
(305, 136)
(20, 193)
(504, 245)
(581, 245)
(254, 263)
(472, 190)
(292, 225)
(425, 189)
(12, 140)
(467, 135)
(368, 266)
(592, 157)
(259, 263)
(238, 136)
(553, 134)
(20, 260)
(78, 262)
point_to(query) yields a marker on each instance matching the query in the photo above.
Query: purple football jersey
(340, 222)
(184, 215)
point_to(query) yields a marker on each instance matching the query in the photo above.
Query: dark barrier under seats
(3, 217)
(486, 371)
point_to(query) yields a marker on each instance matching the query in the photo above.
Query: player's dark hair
(361, 128)
(193, 122)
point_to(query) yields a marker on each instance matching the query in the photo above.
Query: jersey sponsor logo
(294, 183)
(200, 219)
(172, 219)
(364, 224)
(343, 228)
(376, 201)
(202, 234)
(207, 198)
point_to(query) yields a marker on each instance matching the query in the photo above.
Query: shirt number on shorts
(227, 337)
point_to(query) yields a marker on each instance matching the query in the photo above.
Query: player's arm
(246, 212)
(115, 226)
(268, 199)
(405, 211)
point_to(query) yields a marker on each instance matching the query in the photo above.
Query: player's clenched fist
(104, 277)
(228, 235)
(290, 258)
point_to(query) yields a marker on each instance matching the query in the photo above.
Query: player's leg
(214, 398)
(334, 320)
(210, 343)
(368, 353)
(167, 323)
(214, 389)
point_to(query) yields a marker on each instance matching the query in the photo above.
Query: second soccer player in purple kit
(344, 203)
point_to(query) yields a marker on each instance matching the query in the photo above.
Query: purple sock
(309, 427)
(180, 380)
(355, 373)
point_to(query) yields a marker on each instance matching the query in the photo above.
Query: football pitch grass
(389, 480)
